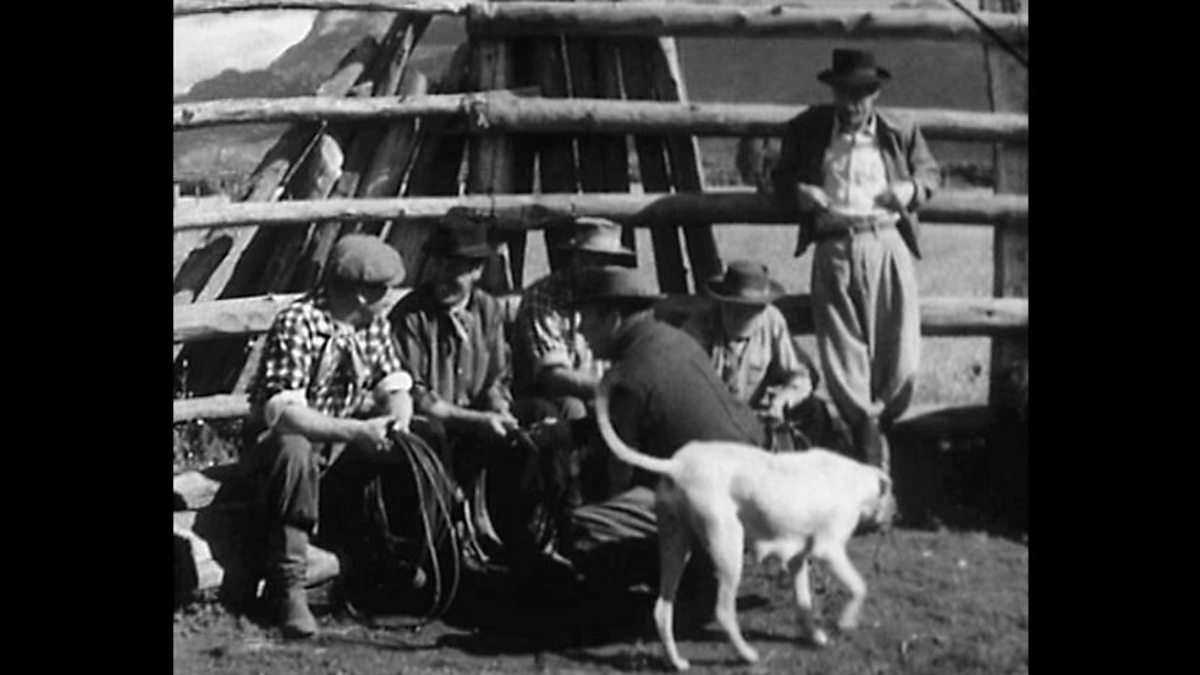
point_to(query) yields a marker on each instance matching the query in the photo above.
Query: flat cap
(361, 258)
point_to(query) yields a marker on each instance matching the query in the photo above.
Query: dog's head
(880, 509)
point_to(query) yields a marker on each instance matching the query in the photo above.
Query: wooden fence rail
(511, 19)
(944, 316)
(504, 112)
(192, 7)
(550, 210)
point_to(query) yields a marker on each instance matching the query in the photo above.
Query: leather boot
(289, 567)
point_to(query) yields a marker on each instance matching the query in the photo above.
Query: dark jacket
(472, 374)
(905, 156)
(667, 394)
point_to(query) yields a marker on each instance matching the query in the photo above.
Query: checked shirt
(334, 364)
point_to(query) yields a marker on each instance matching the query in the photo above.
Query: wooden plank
(686, 172)
(733, 206)
(425, 7)
(940, 316)
(603, 19)
(557, 170)
(637, 58)
(434, 171)
(490, 156)
(490, 112)
(1008, 90)
(238, 316)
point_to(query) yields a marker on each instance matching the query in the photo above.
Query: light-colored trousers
(868, 323)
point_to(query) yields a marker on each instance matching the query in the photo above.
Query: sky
(207, 44)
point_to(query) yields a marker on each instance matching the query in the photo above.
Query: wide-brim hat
(599, 235)
(613, 285)
(854, 68)
(460, 234)
(746, 283)
(361, 258)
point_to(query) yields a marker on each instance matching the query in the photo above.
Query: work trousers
(868, 324)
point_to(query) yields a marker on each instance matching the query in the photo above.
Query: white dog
(792, 506)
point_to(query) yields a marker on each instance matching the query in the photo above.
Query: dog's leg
(798, 567)
(726, 540)
(839, 564)
(674, 546)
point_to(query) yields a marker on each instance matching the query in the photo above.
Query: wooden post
(1008, 90)
(435, 169)
(490, 156)
(602, 158)
(687, 174)
(1008, 440)
(637, 57)
(555, 152)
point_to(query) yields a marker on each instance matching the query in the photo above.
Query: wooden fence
(491, 117)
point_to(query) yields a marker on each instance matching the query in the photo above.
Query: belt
(853, 227)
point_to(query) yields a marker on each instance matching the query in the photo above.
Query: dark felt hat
(854, 68)
(745, 282)
(361, 258)
(599, 235)
(460, 234)
(612, 284)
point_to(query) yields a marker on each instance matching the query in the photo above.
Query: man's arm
(794, 195)
(315, 426)
(927, 176)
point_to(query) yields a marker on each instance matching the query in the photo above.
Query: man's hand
(372, 434)
(811, 198)
(898, 195)
(782, 398)
(497, 423)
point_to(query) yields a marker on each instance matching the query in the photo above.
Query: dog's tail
(624, 452)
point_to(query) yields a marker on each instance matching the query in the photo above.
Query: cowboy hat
(599, 235)
(611, 285)
(854, 68)
(460, 234)
(745, 282)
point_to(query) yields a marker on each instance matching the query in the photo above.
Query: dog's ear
(885, 484)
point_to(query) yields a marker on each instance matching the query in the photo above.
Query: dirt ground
(945, 601)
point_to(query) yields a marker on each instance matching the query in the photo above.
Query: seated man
(666, 395)
(329, 388)
(450, 336)
(747, 339)
(554, 371)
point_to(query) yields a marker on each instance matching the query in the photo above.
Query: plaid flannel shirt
(547, 331)
(334, 364)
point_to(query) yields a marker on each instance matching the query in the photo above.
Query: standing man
(665, 394)
(330, 387)
(855, 177)
(552, 361)
(748, 341)
(450, 335)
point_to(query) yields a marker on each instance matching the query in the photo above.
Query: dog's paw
(749, 655)
(681, 664)
(847, 624)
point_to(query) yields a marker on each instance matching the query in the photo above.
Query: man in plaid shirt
(330, 385)
(554, 372)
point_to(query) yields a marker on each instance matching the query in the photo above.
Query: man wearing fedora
(665, 394)
(552, 360)
(752, 350)
(330, 388)
(450, 336)
(855, 177)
